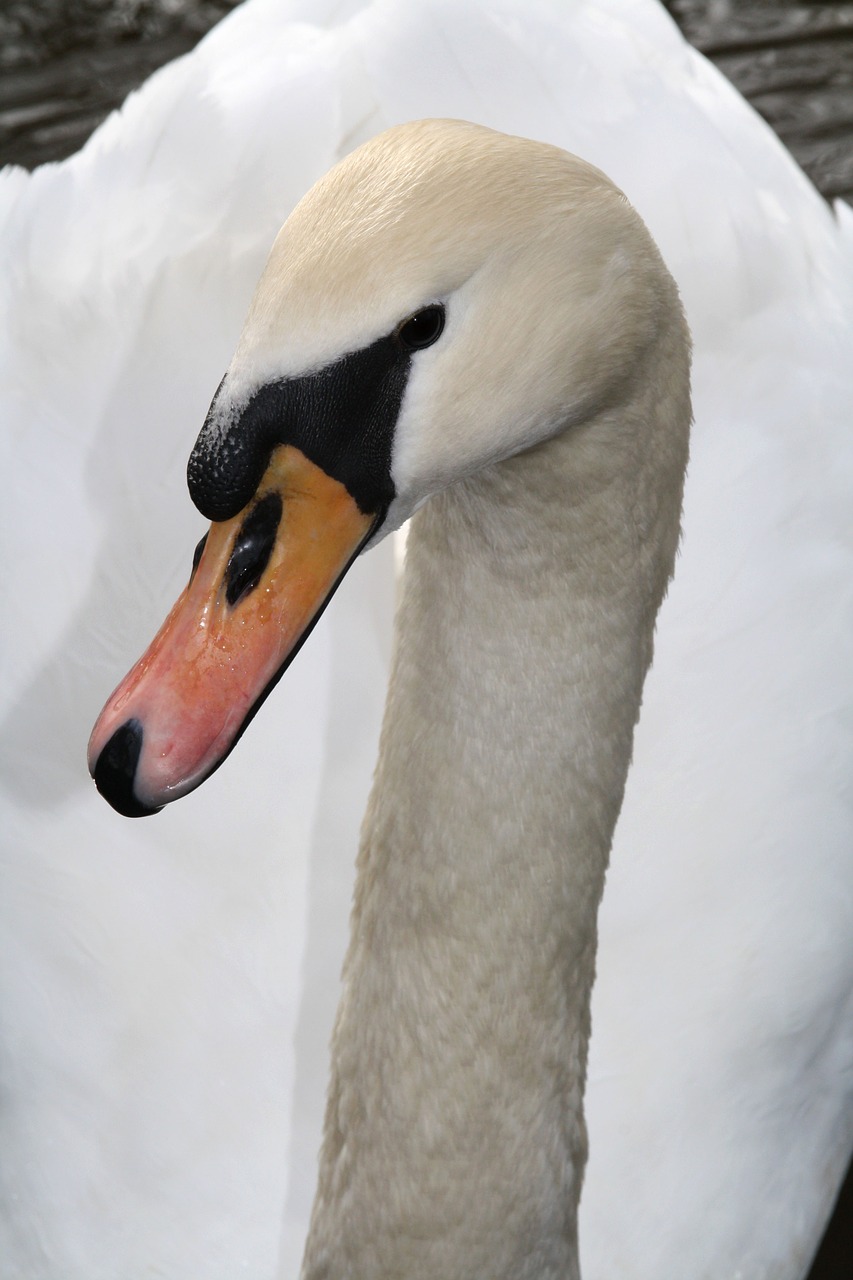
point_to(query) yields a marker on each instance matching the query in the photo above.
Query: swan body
(165, 1026)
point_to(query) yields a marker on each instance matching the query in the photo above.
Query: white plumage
(167, 1005)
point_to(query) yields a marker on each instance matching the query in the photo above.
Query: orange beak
(263, 579)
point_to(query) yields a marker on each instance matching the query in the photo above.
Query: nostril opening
(253, 548)
(197, 554)
(115, 771)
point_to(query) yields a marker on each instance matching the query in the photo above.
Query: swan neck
(523, 638)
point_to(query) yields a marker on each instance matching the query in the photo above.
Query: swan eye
(422, 329)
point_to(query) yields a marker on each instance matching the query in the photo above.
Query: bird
(368, 387)
(169, 985)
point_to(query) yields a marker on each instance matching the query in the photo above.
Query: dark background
(65, 64)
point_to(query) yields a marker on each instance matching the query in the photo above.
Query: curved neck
(454, 1141)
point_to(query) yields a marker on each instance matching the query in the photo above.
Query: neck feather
(454, 1141)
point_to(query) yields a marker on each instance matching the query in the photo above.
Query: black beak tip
(115, 771)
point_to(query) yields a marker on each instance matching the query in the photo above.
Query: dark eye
(422, 329)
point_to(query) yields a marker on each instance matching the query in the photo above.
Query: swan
(167, 1002)
(477, 330)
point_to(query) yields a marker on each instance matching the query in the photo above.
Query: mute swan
(166, 1003)
(479, 326)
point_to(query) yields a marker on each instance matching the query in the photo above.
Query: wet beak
(261, 582)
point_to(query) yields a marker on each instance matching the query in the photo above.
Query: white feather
(168, 987)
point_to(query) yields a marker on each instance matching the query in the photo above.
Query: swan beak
(262, 580)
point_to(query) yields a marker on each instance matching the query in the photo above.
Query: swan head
(444, 298)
